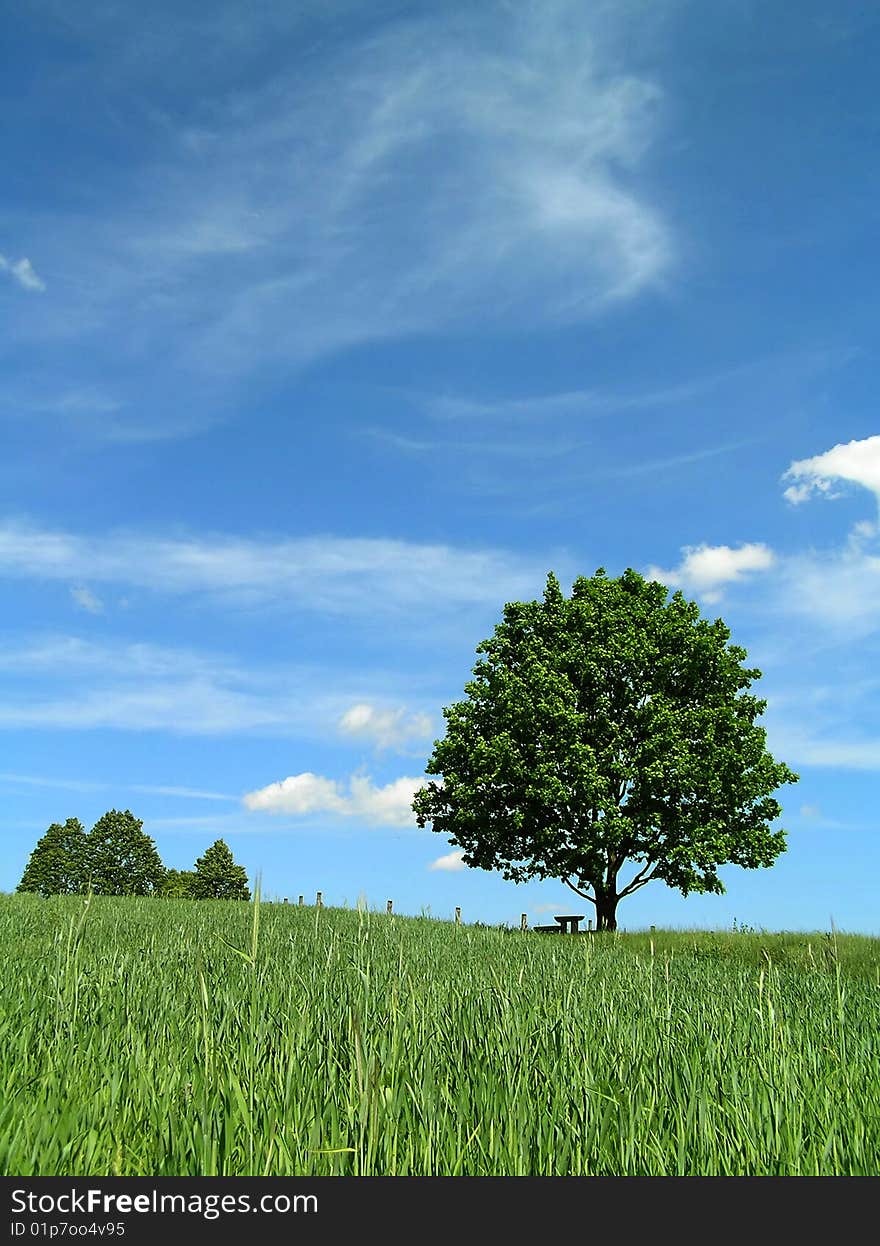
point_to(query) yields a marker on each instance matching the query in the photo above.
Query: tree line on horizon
(117, 858)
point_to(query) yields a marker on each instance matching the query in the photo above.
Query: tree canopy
(217, 877)
(116, 858)
(122, 859)
(607, 740)
(57, 865)
(177, 884)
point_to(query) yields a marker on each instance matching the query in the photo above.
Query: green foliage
(217, 877)
(122, 859)
(181, 1039)
(117, 858)
(607, 728)
(177, 884)
(57, 865)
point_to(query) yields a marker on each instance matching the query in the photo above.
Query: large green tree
(57, 865)
(122, 859)
(607, 740)
(217, 877)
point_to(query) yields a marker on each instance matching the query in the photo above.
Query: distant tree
(122, 860)
(608, 728)
(177, 884)
(217, 877)
(57, 865)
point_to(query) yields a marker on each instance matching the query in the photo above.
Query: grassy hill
(182, 1037)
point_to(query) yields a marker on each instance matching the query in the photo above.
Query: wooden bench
(566, 923)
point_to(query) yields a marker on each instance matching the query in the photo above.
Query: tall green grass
(181, 1037)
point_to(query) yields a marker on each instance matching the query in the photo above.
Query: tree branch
(635, 886)
(583, 894)
(639, 880)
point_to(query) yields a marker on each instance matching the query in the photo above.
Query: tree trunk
(606, 910)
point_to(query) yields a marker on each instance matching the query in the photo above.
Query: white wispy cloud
(308, 793)
(432, 172)
(186, 793)
(63, 682)
(815, 819)
(822, 714)
(583, 403)
(452, 862)
(92, 412)
(531, 449)
(224, 824)
(836, 588)
(821, 745)
(64, 658)
(22, 272)
(84, 785)
(490, 437)
(676, 460)
(73, 785)
(89, 400)
(86, 599)
(857, 462)
(189, 707)
(324, 574)
(385, 728)
(705, 569)
(779, 375)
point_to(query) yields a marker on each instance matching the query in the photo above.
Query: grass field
(184, 1037)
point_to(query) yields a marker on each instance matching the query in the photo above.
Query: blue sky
(330, 328)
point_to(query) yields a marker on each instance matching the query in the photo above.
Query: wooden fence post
(388, 907)
(458, 916)
(319, 902)
(285, 899)
(589, 923)
(523, 922)
(302, 901)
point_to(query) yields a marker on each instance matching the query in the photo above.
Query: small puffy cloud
(856, 461)
(386, 728)
(391, 804)
(22, 272)
(297, 794)
(705, 568)
(307, 793)
(86, 600)
(452, 862)
(800, 493)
